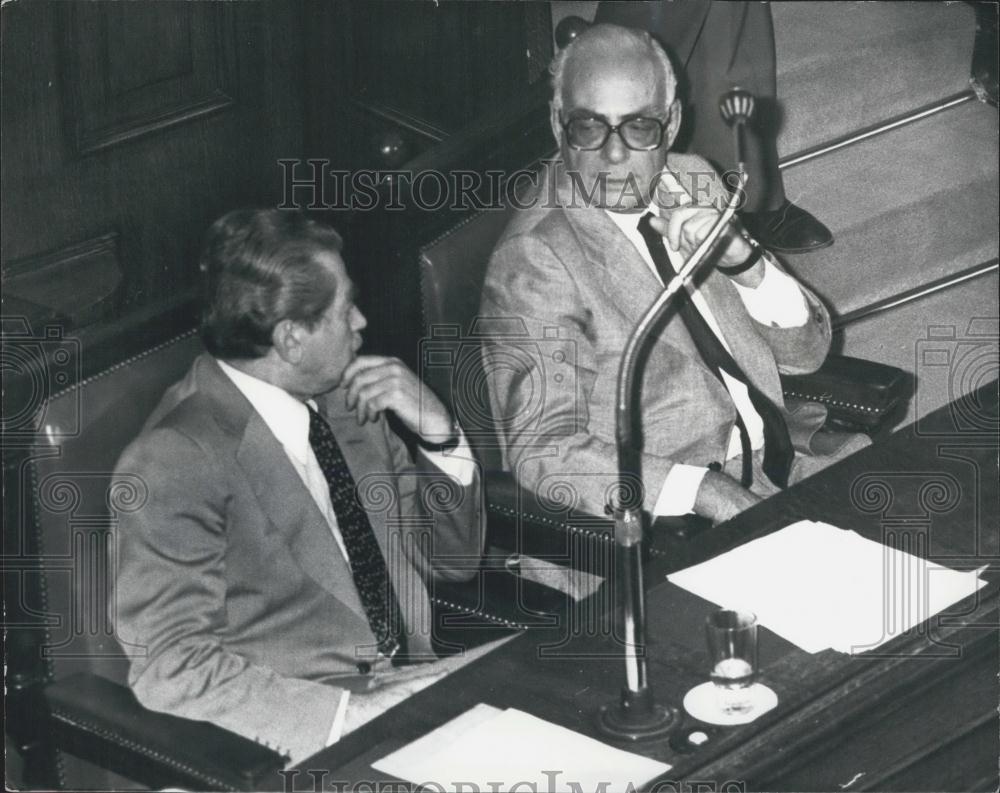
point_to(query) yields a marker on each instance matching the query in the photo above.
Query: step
(842, 66)
(948, 340)
(906, 207)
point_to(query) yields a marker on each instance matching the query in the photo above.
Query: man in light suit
(573, 274)
(280, 561)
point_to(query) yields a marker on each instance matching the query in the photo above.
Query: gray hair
(638, 38)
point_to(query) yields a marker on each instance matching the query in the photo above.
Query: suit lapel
(294, 513)
(627, 281)
(280, 492)
(632, 287)
(628, 276)
(746, 345)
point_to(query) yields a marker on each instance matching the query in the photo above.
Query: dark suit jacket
(563, 292)
(233, 598)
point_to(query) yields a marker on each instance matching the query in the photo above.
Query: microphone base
(636, 717)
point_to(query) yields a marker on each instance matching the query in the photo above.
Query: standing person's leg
(717, 45)
(735, 47)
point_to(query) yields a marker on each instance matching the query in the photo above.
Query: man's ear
(555, 123)
(287, 341)
(674, 125)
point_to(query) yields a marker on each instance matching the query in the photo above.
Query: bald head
(605, 50)
(607, 78)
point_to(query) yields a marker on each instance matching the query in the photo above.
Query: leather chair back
(452, 271)
(84, 430)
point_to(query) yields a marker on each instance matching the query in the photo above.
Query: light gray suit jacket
(231, 594)
(563, 292)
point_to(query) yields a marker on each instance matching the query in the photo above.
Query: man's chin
(624, 203)
(623, 197)
(622, 208)
(332, 385)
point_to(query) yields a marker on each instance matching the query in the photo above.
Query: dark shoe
(788, 229)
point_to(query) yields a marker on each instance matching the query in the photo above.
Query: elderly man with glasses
(577, 268)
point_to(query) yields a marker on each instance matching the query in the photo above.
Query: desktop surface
(918, 713)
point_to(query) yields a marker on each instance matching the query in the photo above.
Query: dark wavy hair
(259, 267)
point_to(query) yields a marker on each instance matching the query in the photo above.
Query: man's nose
(358, 320)
(615, 150)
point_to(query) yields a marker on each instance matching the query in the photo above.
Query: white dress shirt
(776, 301)
(288, 419)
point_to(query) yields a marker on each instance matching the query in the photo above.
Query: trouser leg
(718, 45)
(746, 33)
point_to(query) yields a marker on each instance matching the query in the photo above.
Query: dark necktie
(371, 577)
(778, 450)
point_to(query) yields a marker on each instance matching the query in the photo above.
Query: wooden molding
(78, 282)
(115, 92)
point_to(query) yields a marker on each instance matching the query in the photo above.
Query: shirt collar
(286, 416)
(628, 222)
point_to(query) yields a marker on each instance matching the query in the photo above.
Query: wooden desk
(917, 714)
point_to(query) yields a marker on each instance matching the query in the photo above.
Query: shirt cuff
(337, 728)
(777, 300)
(680, 489)
(457, 463)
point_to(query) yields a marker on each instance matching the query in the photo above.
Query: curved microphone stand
(636, 715)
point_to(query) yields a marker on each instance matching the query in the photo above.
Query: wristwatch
(450, 443)
(756, 254)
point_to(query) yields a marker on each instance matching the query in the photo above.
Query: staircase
(912, 276)
(883, 139)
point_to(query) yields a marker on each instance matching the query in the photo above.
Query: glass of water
(732, 656)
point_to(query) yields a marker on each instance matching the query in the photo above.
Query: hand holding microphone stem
(685, 227)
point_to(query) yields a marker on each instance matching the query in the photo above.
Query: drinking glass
(732, 656)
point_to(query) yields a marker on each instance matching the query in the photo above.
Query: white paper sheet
(822, 587)
(513, 750)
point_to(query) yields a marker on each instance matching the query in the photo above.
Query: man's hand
(373, 383)
(720, 497)
(686, 227)
(362, 708)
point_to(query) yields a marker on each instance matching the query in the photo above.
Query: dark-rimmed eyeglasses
(590, 133)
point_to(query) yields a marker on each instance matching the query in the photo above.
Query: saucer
(702, 702)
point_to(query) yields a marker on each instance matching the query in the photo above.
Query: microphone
(737, 106)
(636, 715)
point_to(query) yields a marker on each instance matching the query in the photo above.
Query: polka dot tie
(371, 577)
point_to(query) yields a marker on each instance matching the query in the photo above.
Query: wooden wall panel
(129, 73)
(143, 121)
(450, 62)
(441, 86)
(425, 71)
(147, 121)
(78, 283)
